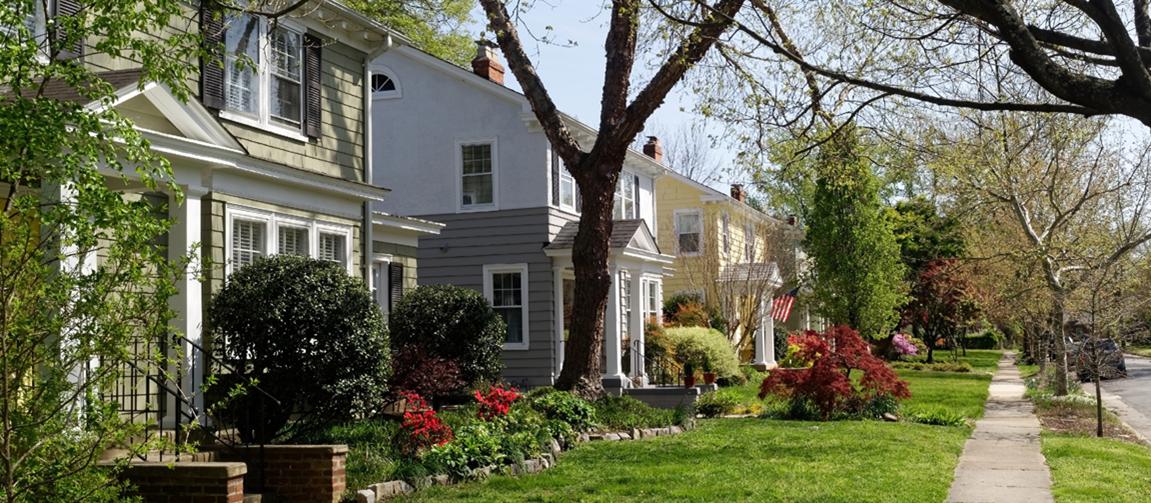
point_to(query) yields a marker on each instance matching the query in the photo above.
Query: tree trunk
(1098, 406)
(581, 372)
(1060, 343)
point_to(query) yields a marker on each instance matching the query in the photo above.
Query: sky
(573, 74)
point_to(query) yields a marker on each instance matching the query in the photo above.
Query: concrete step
(253, 498)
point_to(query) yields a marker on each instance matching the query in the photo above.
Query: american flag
(781, 306)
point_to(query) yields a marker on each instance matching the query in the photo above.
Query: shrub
(938, 416)
(704, 347)
(453, 323)
(987, 339)
(310, 336)
(430, 376)
(421, 428)
(625, 413)
(495, 403)
(903, 345)
(563, 406)
(716, 403)
(689, 310)
(827, 385)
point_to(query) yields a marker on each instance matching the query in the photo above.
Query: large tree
(596, 168)
(438, 27)
(858, 273)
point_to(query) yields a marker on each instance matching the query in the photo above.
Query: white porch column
(613, 376)
(806, 318)
(638, 296)
(765, 336)
(183, 240)
(558, 289)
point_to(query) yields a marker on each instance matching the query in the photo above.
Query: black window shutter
(212, 63)
(395, 284)
(556, 180)
(63, 9)
(635, 193)
(312, 112)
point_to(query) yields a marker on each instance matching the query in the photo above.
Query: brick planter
(297, 473)
(188, 481)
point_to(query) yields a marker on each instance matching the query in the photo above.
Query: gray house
(460, 148)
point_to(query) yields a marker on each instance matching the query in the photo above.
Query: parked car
(1105, 352)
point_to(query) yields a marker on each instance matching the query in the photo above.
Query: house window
(384, 85)
(253, 234)
(333, 247)
(293, 240)
(505, 287)
(264, 72)
(477, 183)
(688, 231)
(625, 305)
(625, 194)
(247, 241)
(569, 191)
(749, 242)
(33, 22)
(651, 308)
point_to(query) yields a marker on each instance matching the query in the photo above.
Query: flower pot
(689, 381)
(709, 377)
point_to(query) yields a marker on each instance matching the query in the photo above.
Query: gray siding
(470, 241)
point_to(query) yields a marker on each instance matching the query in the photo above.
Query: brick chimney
(791, 220)
(487, 62)
(653, 149)
(737, 192)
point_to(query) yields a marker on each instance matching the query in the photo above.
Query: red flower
(423, 428)
(496, 403)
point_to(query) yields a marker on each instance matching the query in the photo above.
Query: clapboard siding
(471, 240)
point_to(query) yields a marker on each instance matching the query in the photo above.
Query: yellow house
(735, 257)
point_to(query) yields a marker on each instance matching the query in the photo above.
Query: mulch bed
(1080, 421)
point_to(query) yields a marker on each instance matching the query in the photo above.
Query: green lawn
(1140, 350)
(1087, 469)
(766, 460)
(745, 460)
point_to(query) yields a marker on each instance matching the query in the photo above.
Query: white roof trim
(416, 225)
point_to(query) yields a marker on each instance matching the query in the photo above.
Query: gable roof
(632, 233)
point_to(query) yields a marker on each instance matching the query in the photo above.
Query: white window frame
(675, 223)
(272, 222)
(380, 285)
(459, 159)
(262, 119)
(489, 270)
(39, 31)
(646, 313)
(566, 177)
(625, 200)
(391, 75)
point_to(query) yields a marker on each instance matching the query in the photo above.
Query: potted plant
(688, 375)
(708, 371)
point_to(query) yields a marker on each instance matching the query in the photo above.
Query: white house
(460, 148)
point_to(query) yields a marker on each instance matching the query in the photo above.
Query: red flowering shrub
(827, 383)
(495, 403)
(421, 427)
(428, 375)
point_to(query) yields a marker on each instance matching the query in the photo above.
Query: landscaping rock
(439, 480)
(533, 466)
(482, 473)
(584, 437)
(365, 496)
(555, 448)
(391, 489)
(635, 434)
(612, 437)
(889, 417)
(625, 436)
(675, 430)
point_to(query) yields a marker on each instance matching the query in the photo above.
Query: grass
(745, 460)
(1087, 469)
(1139, 350)
(767, 460)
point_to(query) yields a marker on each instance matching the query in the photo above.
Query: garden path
(1002, 461)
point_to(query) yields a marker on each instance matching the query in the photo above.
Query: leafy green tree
(81, 277)
(858, 273)
(924, 234)
(438, 27)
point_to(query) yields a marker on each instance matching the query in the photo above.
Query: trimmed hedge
(454, 323)
(987, 339)
(685, 341)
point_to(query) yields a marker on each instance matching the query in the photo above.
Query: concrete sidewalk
(1002, 461)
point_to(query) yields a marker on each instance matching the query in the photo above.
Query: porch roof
(752, 271)
(629, 238)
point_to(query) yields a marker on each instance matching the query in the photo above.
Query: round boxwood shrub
(453, 323)
(697, 344)
(310, 336)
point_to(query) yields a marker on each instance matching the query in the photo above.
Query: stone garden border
(391, 489)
